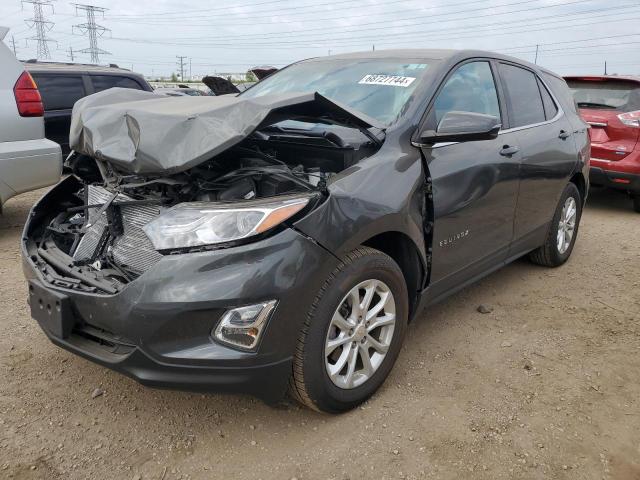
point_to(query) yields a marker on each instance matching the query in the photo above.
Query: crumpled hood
(144, 133)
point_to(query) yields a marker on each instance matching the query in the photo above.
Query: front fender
(376, 196)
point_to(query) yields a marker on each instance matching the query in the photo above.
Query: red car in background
(611, 105)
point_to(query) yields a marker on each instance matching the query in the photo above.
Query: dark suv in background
(62, 84)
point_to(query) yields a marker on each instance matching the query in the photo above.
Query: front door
(475, 183)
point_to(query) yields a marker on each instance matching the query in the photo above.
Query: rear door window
(59, 92)
(619, 95)
(470, 88)
(103, 82)
(521, 86)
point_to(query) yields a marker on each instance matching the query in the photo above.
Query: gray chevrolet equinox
(284, 237)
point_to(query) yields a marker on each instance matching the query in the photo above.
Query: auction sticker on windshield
(393, 80)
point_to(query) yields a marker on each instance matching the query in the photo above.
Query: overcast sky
(574, 36)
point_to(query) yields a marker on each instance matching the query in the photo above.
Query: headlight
(204, 223)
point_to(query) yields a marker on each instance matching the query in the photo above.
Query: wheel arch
(401, 248)
(579, 181)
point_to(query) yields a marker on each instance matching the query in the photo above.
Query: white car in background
(27, 160)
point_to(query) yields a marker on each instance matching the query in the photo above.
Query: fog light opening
(242, 327)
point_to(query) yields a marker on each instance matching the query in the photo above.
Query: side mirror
(463, 127)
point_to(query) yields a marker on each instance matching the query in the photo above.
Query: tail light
(28, 99)
(632, 119)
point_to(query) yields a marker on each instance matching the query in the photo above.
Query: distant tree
(174, 77)
(250, 77)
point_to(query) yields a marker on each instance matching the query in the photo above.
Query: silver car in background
(27, 160)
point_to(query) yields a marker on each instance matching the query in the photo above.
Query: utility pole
(605, 67)
(41, 26)
(13, 44)
(92, 30)
(190, 76)
(536, 60)
(70, 55)
(181, 65)
(373, 47)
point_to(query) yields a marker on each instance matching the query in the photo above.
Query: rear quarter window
(104, 82)
(561, 91)
(59, 92)
(550, 108)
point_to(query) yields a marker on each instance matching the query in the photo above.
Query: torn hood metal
(141, 132)
(220, 85)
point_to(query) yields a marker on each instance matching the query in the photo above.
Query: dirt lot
(545, 386)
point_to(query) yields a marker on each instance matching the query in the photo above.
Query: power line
(41, 25)
(191, 12)
(262, 14)
(432, 33)
(92, 30)
(350, 40)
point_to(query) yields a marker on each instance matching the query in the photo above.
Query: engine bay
(91, 236)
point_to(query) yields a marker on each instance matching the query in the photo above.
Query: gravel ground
(546, 385)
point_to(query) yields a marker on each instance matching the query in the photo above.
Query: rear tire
(636, 203)
(557, 247)
(332, 378)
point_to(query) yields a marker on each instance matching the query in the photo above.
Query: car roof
(448, 55)
(630, 78)
(61, 67)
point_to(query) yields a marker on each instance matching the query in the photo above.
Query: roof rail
(35, 60)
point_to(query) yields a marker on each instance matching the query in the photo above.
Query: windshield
(380, 88)
(616, 95)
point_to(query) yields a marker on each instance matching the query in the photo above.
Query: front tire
(352, 333)
(563, 231)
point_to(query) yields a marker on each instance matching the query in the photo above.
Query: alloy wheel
(360, 334)
(567, 225)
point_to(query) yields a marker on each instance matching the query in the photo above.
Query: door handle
(508, 151)
(564, 135)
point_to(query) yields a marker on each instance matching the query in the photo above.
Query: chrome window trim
(557, 117)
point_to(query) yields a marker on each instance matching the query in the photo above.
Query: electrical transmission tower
(92, 30)
(181, 64)
(41, 26)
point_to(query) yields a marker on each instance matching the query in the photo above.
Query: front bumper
(157, 330)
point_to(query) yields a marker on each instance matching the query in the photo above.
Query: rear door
(549, 153)
(474, 183)
(605, 103)
(59, 92)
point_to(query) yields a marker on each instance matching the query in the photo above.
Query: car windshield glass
(616, 95)
(380, 88)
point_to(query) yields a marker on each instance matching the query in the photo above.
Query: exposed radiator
(133, 249)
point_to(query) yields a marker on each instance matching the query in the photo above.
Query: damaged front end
(130, 202)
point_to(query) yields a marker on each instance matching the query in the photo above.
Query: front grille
(132, 250)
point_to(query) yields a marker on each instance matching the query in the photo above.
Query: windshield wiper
(596, 105)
